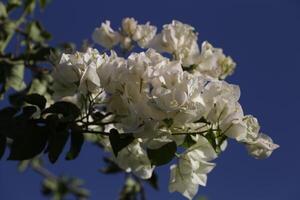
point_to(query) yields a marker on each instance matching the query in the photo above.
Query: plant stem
(11, 34)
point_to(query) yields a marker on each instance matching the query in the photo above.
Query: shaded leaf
(57, 142)
(168, 121)
(17, 99)
(2, 145)
(162, 155)
(119, 141)
(7, 113)
(77, 140)
(68, 110)
(30, 141)
(188, 141)
(210, 136)
(36, 99)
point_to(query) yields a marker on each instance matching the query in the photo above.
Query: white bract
(212, 62)
(106, 36)
(178, 39)
(192, 168)
(181, 99)
(76, 73)
(133, 158)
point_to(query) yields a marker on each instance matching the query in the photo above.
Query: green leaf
(210, 136)
(29, 6)
(2, 145)
(6, 120)
(29, 142)
(3, 12)
(77, 140)
(68, 110)
(7, 113)
(36, 99)
(15, 78)
(57, 142)
(40, 54)
(169, 122)
(119, 141)
(11, 4)
(153, 181)
(188, 141)
(162, 155)
(36, 32)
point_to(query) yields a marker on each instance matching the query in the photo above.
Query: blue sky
(263, 38)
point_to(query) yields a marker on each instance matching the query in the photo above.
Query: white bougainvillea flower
(144, 34)
(178, 39)
(111, 72)
(170, 93)
(133, 158)
(262, 147)
(213, 62)
(220, 99)
(129, 26)
(77, 73)
(106, 36)
(252, 128)
(181, 184)
(192, 169)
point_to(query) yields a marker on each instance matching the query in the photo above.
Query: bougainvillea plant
(148, 98)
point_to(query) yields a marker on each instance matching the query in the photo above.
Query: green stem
(191, 133)
(10, 36)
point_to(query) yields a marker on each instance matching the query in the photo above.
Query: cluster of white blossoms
(180, 99)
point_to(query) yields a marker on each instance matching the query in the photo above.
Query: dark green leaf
(168, 121)
(210, 136)
(36, 99)
(57, 142)
(40, 54)
(68, 110)
(7, 120)
(202, 120)
(2, 145)
(153, 181)
(119, 141)
(77, 140)
(188, 142)
(7, 113)
(29, 142)
(17, 99)
(28, 111)
(162, 155)
(11, 4)
(29, 6)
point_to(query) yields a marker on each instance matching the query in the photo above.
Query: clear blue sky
(263, 38)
